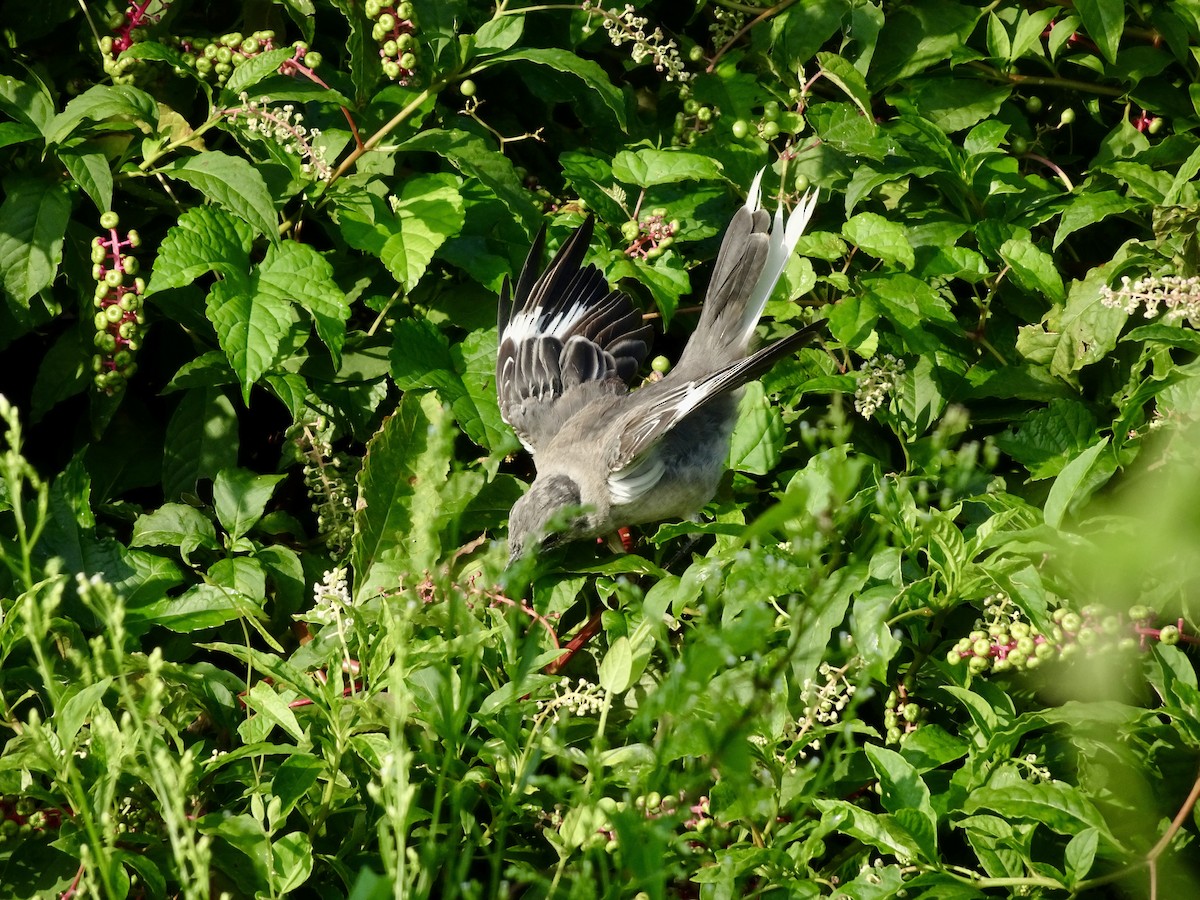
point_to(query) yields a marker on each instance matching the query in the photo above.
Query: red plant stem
(586, 633)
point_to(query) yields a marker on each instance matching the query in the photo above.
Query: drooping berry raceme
(395, 33)
(1004, 641)
(128, 29)
(215, 59)
(118, 303)
(650, 236)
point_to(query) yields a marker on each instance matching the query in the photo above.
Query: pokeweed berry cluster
(901, 716)
(129, 28)
(650, 236)
(395, 33)
(118, 302)
(695, 119)
(214, 59)
(1002, 646)
(21, 818)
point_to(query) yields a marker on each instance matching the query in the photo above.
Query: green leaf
(232, 183)
(174, 525)
(252, 71)
(265, 701)
(1104, 21)
(293, 778)
(616, 669)
(851, 82)
(239, 498)
(430, 209)
(885, 240)
(299, 274)
(1069, 486)
(250, 327)
(28, 104)
(880, 831)
(89, 167)
(405, 463)
(203, 606)
(100, 103)
(953, 103)
(201, 440)
(758, 437)
(646, 168)
(498, 34)
(242, 574)
(585, 69)
(1088, 209)
(35, 215)
(920, 35)
(1033, 268)
(76, 712)
(1080, 854)
(1061, 807)
(872, 634)
(205, 239)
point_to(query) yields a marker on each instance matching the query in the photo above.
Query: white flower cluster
(331, 599)
(284, 126)
(1180, 296)
(877, 384)
(581, 699)
(626, 27)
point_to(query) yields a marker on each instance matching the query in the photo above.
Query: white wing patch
(633, 482)
(529, 323)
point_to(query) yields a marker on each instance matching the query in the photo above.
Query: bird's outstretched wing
(565, 340)
(662, 406)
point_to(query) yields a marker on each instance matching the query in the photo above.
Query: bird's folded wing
(565, 340)
(665, 405)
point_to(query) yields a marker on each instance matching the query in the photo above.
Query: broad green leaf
(293, 860)
(646, 168)
(77, 711)
(1061, 807)
(879, 831)
(232, 183)
(1080, 854)
(1068, 487)
(35, 215)
(918, 36)
(101, 103)
(848, 79)
(250, 327)
(1050, 437)
(1088, 209)
(297, 273)
(475, 159)
(205, 239)
(203, 606)
(900, 785)
(265, 701)
(240, 497)
(478, 410)
(405, 463)
(17, 133)
(1033, 268)
(498, 34)
(953, 103)
(585, 69)
(173, 525)
(65, 371)
(870, 613)
(616, 669)
(252, 71)
(294, 777)
(242, 574)
(89, 167)
(759, 434)
(429, 210)
(26, 103)
(1104, 21)
(201, 440)
(885, 240)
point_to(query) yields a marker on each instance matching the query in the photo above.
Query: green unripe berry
(101, 320)
(1169, 635)
(127, 330)
(1033, 105)
(467, 88)
(224, 55)
(912, 712)
(129, 302)
(740, 129)
(630, 230)
(122, 358)
(99, 254)
(982, 647)
(405, 11)
(1044, 651)
(802, 183)
(704, 113)
(379, 33)
(977, 665)
(391, 69)
(390, 49)
(770, 130)
(1155, 126)
(1071, 622)
(408, 61)
(114, 278)
(771, 111)
(691, 106)
(387, 22)
(661, 365)
(109, 220)
(203, 65)
(406, 41)
(114, 313)
(1026, 645)
(130, 264)
(135, 239)
(654, 253)
(1067, 116)
(1018, 145)
(954, 657)
(373, 9)
(695, 53)
(666, 242)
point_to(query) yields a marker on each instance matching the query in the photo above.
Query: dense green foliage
(256, 635)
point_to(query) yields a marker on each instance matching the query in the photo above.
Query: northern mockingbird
(607, 456)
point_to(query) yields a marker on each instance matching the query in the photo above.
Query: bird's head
(550, 512)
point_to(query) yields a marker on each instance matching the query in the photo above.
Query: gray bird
(607, 456)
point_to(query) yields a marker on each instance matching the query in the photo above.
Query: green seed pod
(109, 220)
(130, 264)
(114, 313)
(313, 59)
(408, 61)
(387, 22)
(114, 278)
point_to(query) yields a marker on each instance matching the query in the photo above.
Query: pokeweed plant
(935, 635)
